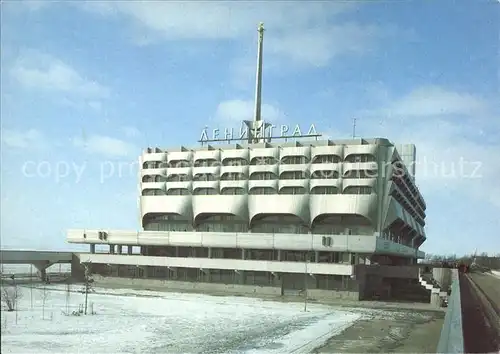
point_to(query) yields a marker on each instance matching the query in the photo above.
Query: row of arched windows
(265, 160)
(263, 223)
(259, 191)
(258, 176)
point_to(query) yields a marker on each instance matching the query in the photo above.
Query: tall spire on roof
(256, 127)
(258, 77)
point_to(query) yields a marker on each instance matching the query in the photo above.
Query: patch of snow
(128, 321)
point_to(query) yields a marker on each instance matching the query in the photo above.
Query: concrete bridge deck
(41, 260)
(32, 257)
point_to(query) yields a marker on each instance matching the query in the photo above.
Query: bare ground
(389, 331)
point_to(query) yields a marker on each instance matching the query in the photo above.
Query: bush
(10, 296)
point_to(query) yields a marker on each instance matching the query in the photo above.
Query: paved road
(490, 285)
(480, 312)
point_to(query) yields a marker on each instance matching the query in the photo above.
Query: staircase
(427, 282)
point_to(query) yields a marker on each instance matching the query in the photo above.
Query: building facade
(315, 215)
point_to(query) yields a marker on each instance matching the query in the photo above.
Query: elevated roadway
(40, 259)
(32, 257)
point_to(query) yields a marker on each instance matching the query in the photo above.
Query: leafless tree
(68, 295)
(479, 259)
(88, 284)
(10, 296)
(45, 295)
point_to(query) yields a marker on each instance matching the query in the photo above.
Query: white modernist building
(263, 213)
(329, 216)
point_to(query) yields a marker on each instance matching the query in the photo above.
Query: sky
(86, 86)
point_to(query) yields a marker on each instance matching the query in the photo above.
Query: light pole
(31, 286)
(305, 284)
(87, 285)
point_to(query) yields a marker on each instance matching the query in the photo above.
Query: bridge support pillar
(43, 275)
(42, 269)
(77, 269)
(129, 249)
(92, 248)
(119, 249)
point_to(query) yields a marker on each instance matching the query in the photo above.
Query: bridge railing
(451, 339)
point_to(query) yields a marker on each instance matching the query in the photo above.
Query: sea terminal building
(337, 218)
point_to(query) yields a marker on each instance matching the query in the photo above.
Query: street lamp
(305, 284)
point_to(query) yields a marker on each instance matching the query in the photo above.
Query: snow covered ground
(128, 321)
(496, 273)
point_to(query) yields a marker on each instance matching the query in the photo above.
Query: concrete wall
(243, 240)
(443, 277)
(327, 295)
(213, 263)
(157, 284)
(375, 280)
(280, 241)
(219, 289)
(452, 333)
(388, 271)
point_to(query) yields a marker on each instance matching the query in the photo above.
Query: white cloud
(237, 110)
(454, 154)
(217, 19)
(96, 144)
(30, 139)
(44, 72)
(106, 146)
(303, 33)
(317, 46)
(436, 101)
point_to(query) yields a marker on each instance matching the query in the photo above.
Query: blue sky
(87, 85)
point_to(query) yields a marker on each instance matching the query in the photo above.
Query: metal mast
(256, 127)
(258, 77)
